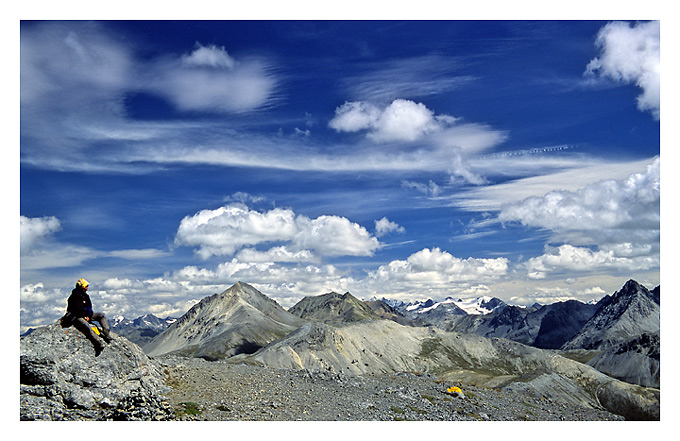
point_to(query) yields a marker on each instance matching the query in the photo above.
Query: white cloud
(132, 254)
(196, 86)
(430, 189)
(36, 293)
(600, 211)
(402, 120)
(619, 218)
(570, 259)
(420, 76)
(276, 254)
(224, 230)
(32, 230)
(229, 228)
(74, 60)
(355, 116)
(432, 272)
(76, 78)
(57, 256)
(335, 236)
(211, 56)
(632, 54)
(385, 226)
(545, 175)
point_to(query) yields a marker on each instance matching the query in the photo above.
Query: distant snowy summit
(142, 329)
(471, 306)
(146, 321)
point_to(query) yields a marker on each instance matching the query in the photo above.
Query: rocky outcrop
(61, 379)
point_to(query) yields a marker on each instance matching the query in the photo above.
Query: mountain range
(482, 340)
(142, 329)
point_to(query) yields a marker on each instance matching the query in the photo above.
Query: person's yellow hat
(82, 283)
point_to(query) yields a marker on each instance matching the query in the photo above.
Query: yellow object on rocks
(456, 392)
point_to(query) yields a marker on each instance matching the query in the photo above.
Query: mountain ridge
(333, 308)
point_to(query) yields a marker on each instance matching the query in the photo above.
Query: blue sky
(164, 161)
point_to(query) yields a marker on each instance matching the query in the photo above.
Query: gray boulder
(61, 379)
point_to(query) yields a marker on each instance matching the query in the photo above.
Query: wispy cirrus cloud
(77, 76)
(412, 77)
(539, 175)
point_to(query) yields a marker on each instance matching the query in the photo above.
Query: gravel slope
(220, 391)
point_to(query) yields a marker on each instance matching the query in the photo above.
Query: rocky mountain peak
(631, 311)
(333, 308)
(239, 320)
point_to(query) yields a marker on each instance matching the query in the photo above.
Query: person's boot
(98, 348)
(107, 338)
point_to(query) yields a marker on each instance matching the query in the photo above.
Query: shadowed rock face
(547, 327)
(635, 361)
(61, 379)
(630, 312)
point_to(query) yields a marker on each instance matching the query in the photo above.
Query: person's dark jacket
(79, 303)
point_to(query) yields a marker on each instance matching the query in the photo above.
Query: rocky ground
(221, 391)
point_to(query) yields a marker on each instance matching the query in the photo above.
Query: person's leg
(106, 331)
(83, 326)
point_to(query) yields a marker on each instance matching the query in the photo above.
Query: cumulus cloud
(601, 208)
(32, 230)
(176, 292)
(402, 120)
(36, 293)
(276, 254)
(631, 54)
(619, 218)
(229, 228)
(385, 226)
(435, 272)
(568, 258)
